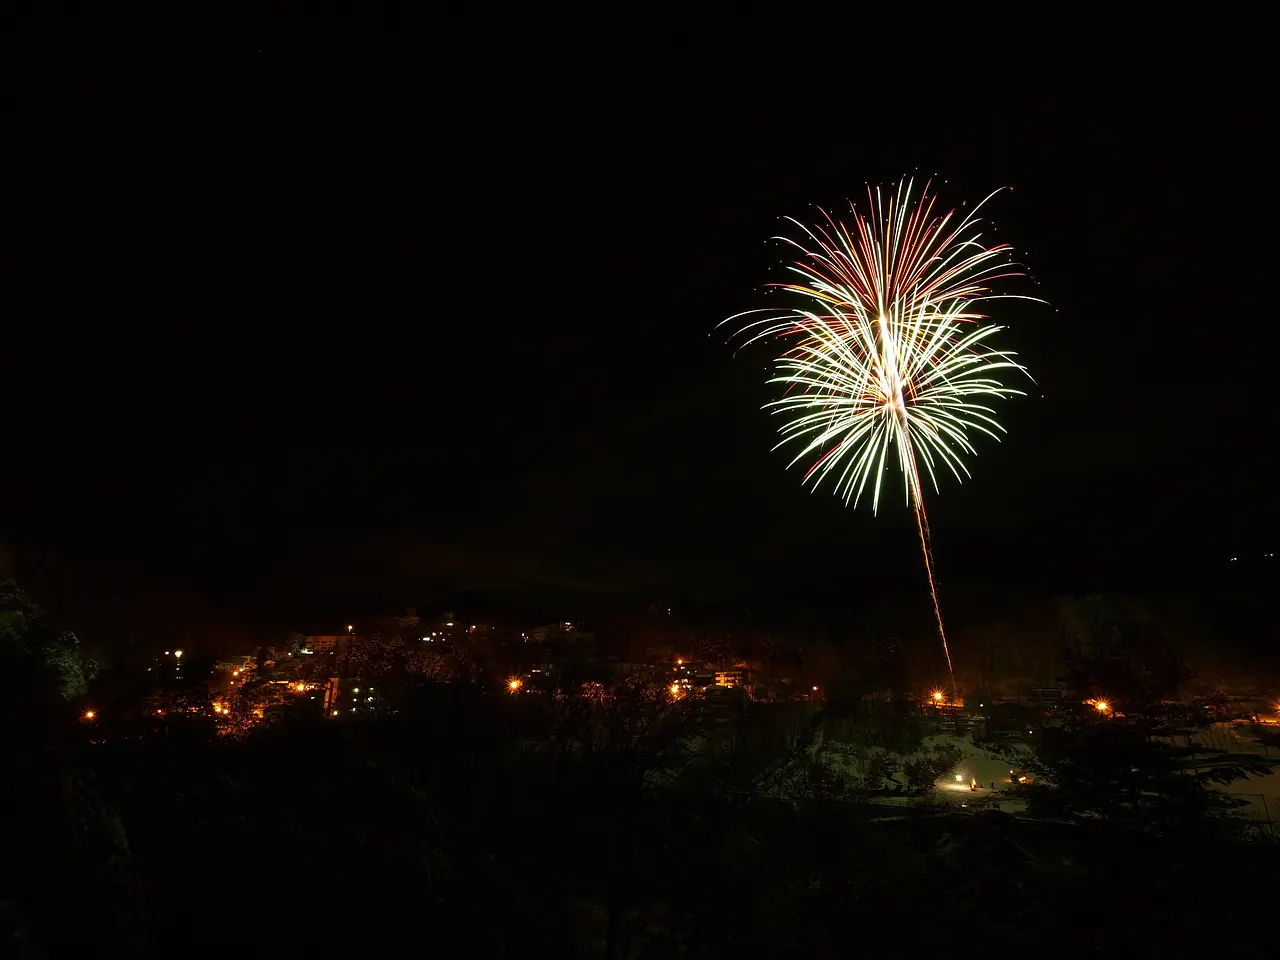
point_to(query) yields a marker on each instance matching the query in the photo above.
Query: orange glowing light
(679, 663)
(675, 689)
(514, 684)
(89, 714)
(937, 696)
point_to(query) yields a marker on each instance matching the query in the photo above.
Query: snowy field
(977, 764)
(1261, 794)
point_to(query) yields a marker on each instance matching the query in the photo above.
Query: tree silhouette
(1134, 759)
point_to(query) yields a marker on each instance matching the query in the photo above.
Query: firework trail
(891, 360)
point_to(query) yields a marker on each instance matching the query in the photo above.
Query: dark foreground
(453, 834)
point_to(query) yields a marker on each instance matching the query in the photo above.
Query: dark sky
(310, 321)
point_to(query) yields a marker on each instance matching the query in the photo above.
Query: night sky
(310, 323)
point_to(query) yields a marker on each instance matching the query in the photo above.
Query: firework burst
(890, 360)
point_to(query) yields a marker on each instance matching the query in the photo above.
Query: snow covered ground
(1261, 794)
(991, 773)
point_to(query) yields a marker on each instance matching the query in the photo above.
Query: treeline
(623, 823)
(626, 824)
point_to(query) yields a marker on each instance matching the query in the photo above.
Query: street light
(89, 714)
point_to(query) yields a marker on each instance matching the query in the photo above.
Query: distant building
(169, 667)
(331, 644)
(441, 631)
(350, 697)
(734, 677)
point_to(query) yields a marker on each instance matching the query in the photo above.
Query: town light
(177, 653)
(89, 714)
(675, 689)
(513, 684)
(679, 663)
(937, 696)
(959, 778)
